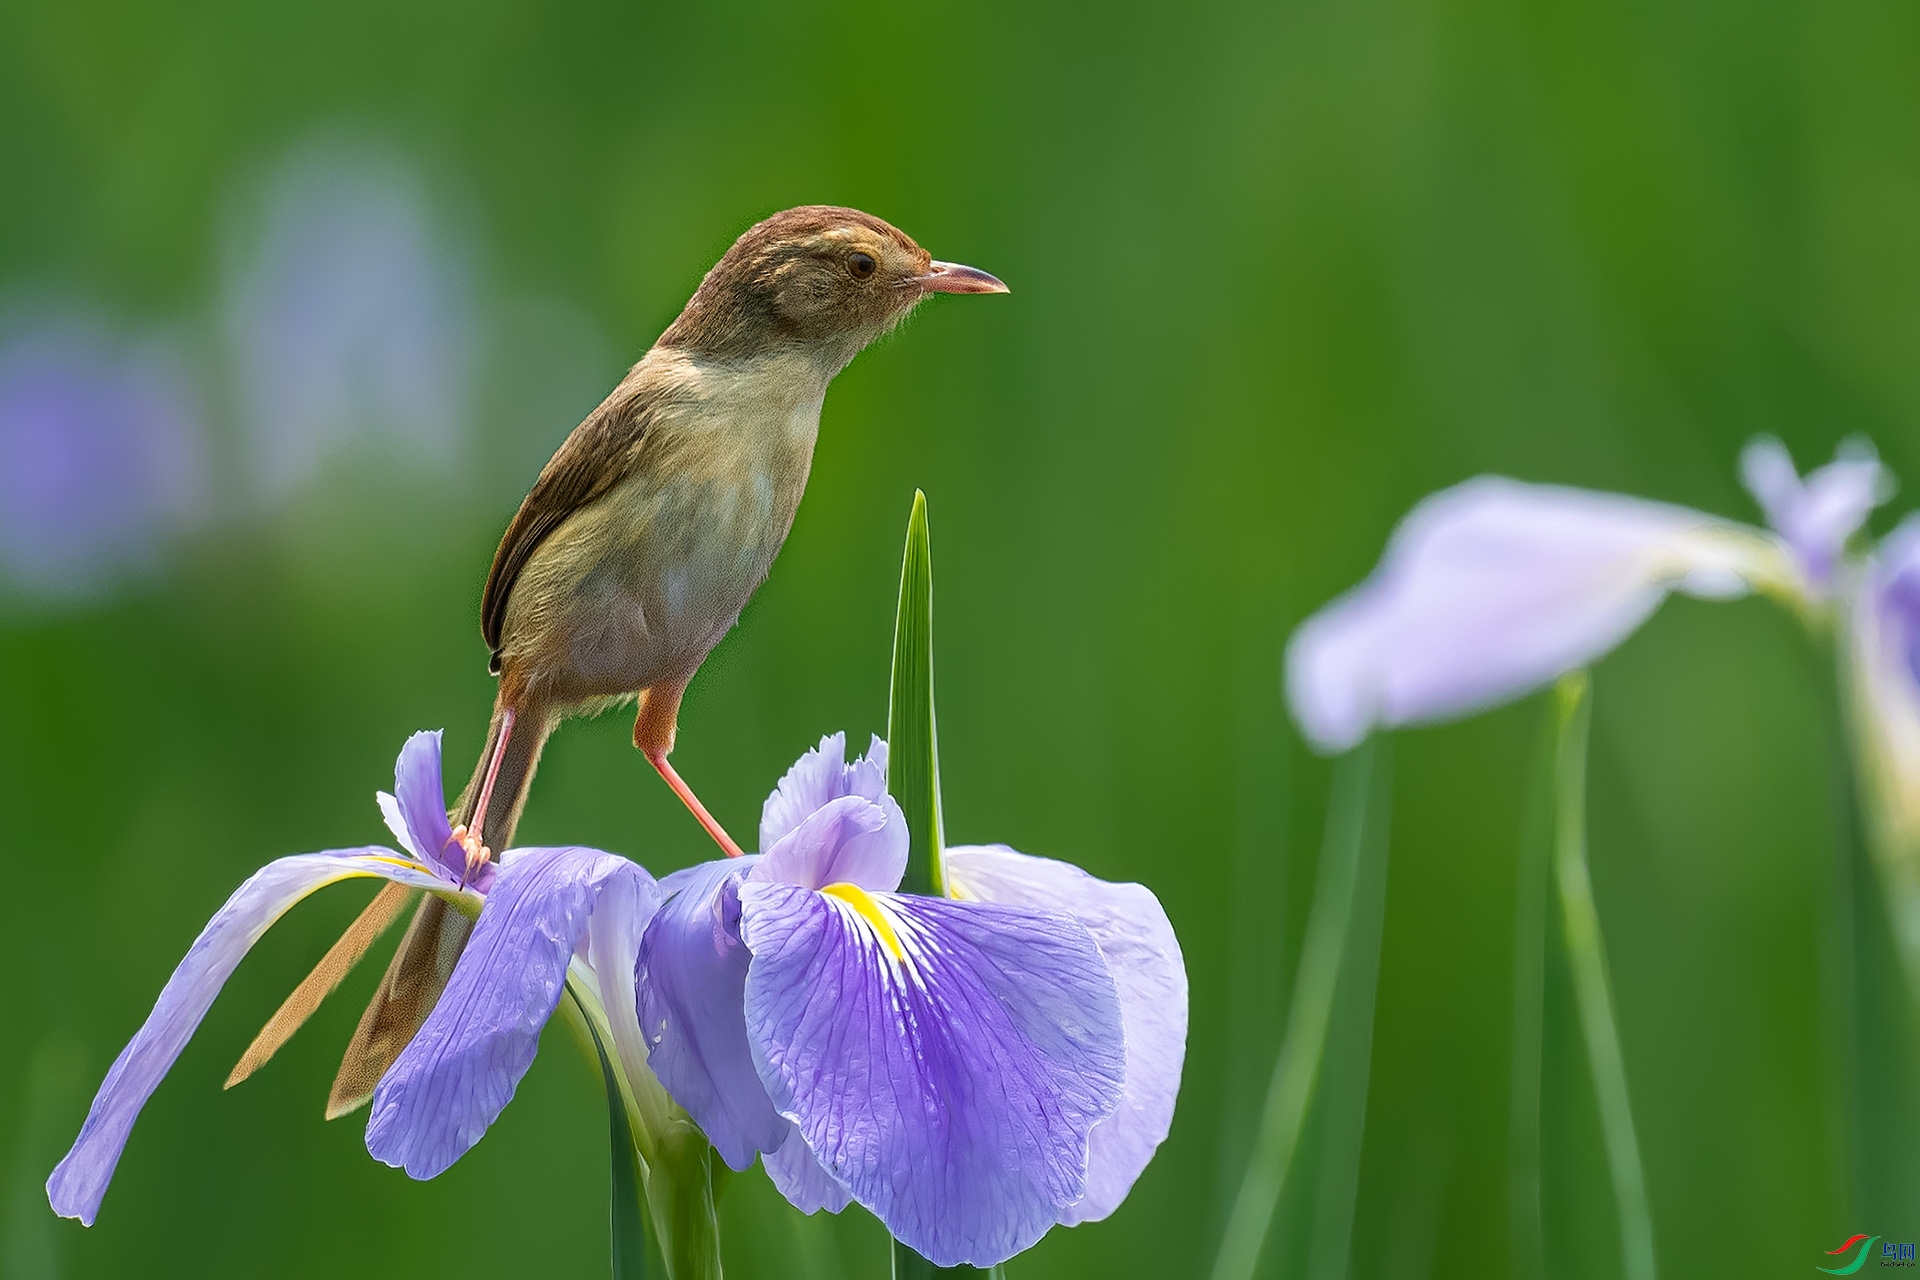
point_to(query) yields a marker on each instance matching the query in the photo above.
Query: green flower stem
(1349, 1053)
(1303, 1045)
(627, 1212)
(1580, 927)
(1529, 1003)
(673, 1157)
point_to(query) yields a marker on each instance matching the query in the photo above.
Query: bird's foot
(476, 853)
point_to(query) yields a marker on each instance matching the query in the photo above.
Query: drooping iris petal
(460, 1071)
(821, 775)
(1493, 588)
(798, 1176)
(693, 974)
(80, 1180)
(1136, 939)
(1819, 514)
(848, 840)
(944, 1060)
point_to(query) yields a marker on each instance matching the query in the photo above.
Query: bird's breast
(647, 579)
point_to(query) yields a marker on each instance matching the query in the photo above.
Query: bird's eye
(861, 265)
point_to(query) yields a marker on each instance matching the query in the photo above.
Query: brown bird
(636, 550)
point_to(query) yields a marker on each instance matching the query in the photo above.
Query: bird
(634, 553)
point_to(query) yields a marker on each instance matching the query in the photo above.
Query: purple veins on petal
(945, 1061)
(692, 980)
(801, 1178)
(1136, 939)
(80, 1180)
(461, 1069)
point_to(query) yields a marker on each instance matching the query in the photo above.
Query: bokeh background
(296, 298)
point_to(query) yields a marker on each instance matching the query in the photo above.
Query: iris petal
(80, 1180)
(1818, 514)
(817, 777)
(1493, 588)
(849, 840)
(1142, 954)
(950, 1090)
(461, 1070)
(801, 1178)
(422, 801)
(693, 973)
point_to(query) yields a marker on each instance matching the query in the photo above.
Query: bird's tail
(424, 961)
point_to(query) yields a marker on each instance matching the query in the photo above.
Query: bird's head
(821, 278)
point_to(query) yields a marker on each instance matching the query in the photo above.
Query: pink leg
(493, 770)
(685, 792)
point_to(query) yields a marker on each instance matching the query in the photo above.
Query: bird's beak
(951, 277)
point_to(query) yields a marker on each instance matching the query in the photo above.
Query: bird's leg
(653, 731)
(472, 841)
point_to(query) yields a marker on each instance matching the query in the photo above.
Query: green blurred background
(1278, 270)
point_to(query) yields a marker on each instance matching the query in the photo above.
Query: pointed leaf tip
(913, 759)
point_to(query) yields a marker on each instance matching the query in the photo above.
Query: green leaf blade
(913, 754)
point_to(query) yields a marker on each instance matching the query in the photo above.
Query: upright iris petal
(948, 1063)
(1494, 588)
(1816, 516)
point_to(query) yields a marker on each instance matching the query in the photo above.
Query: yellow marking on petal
(869, 910)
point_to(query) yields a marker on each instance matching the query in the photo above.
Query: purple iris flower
(346, 316)
(1817, 515)
(973, 1069)
(540, 912)
(1494, 588)
(1886, 683)
(102, 457)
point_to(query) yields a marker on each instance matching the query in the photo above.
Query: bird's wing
(599, 453)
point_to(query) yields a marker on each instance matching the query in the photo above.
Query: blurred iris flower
(1886, 632)
(1883, 667)
(346, 317)
(541, 911)
(1494, 588)
(973, 1069)
(102, 457)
